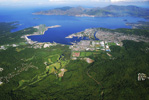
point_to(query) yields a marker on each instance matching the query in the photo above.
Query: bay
(69, 24)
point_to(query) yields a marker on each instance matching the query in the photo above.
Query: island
(109, 11)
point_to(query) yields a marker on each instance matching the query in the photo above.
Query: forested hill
(32, 72)
(109, 11)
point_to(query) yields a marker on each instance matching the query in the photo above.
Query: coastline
(39, 32)
(85, 15)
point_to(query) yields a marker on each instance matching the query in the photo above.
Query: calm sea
(69, 24)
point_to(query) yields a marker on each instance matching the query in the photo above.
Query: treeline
(139, 32)
(10, 38)
(6, 37)
(7, 27)
(119, 73)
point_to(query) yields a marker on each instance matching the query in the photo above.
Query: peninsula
(40, 30)
(116, 35)
(109, 11)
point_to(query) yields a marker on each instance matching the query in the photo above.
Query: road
(99, 83)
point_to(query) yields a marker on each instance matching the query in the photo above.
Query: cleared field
(22, 43)
(86, 54)
(56, 63)
(83, 54)
(89, 53)
(19, 49)
(54, 58)
(111, 43)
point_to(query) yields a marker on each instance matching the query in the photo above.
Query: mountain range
(109, 11)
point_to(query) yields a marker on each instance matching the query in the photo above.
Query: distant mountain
(71, 11)
(109, 11)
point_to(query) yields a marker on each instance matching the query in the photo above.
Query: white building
(142, 76)
(118, 44)
(93, 43)
(102, 43)
(87, 49)
(107, 47)
(1, 69)
(2, 48)
(1, 83)
(46, 45)
(14, 45)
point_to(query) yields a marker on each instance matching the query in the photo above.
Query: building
(142, 76)
(76, 54)
(14, 45)
(1, 83)
(2, 48)
(1, 69)
(102, 43)
(46, 45)
(107, 47)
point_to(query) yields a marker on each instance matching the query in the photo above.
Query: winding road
(99, 83)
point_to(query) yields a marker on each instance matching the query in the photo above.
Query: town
(86, 48)
(107, 35)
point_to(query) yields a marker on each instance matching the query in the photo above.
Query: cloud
(67, 0)
(77, 0)
(9, 0)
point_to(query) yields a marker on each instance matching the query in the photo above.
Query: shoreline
(29, 41)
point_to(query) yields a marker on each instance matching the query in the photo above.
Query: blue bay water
(69, 24)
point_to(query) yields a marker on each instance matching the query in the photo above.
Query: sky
(21, 3)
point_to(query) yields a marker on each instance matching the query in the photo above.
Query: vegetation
(139, 25)
(7, 27)
(27, 77)
(111, 43)
(140, 32)
(12, 61)
(109, 11)
(6, 37)
(119, 74)
(86, 54)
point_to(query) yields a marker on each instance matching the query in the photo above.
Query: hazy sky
(60, 2)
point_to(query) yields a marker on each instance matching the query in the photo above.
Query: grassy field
(111, 43)
(88, 53)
